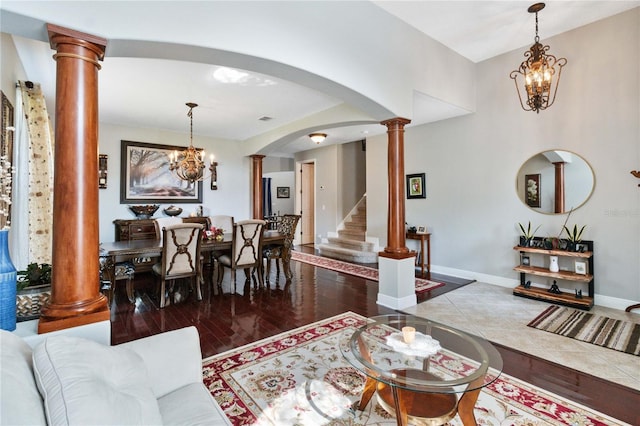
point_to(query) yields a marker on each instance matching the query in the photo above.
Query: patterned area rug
(623, 336)
(422, 285)
(300, 378)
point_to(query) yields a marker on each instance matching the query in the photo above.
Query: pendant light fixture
(189, 164)
(539, 73)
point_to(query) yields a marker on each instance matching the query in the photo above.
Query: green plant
(527, 234)
(35, 274)
(574, 235)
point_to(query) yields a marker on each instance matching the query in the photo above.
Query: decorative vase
(8, 276)
(553, 264)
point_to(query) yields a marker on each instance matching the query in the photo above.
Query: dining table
(111, 253)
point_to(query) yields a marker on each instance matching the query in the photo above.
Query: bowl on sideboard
(144, 212)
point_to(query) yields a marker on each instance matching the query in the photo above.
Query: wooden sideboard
(145, 229)
(135, 229)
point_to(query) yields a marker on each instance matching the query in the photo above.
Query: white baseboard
(397, 303)
(599, 300)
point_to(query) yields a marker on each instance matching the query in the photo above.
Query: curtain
(267, 209)
(32, 213)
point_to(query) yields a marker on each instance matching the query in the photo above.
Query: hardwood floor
(227, 320)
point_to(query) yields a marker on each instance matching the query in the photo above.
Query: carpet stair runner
(350, 245)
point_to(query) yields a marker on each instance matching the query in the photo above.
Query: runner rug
(361, 271)
(301, 378)
(623, 336)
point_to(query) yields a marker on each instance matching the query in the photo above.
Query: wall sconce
(102, 171)
(214, 174)
(318, 137)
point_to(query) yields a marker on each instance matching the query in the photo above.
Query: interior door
(308, 208)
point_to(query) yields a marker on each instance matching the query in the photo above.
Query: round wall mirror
(555, 182)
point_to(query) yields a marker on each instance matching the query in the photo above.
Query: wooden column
(559, 196)
(75, 293)
(396, 243)
(257, 186)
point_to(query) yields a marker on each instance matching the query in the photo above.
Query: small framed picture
(532, 190)
(421, 230)
(282, 191)
(526, 261)
(581, 248)
(581, 267)
(415, 186)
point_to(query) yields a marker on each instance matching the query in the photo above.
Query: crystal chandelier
(189, 164)
(540, 72)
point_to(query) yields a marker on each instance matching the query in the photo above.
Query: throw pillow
(84, 382)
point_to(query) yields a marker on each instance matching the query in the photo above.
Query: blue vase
(7, 285)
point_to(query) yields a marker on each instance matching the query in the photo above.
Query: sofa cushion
(84, 382)
(19, 396)
(191, 405)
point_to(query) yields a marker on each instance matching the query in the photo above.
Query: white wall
(233, 196)
(471, 162)
(281, 206)
(326, 187)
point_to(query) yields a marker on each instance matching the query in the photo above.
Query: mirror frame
(535, 203)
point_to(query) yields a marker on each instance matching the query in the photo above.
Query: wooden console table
(420, 258)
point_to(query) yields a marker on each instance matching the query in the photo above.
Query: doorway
(307, 203)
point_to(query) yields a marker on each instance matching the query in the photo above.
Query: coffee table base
(421, 408)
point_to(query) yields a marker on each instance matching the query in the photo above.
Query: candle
(408, 334)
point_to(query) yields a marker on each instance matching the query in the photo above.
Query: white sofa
(74, 381)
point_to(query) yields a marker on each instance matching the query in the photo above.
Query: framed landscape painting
(282, 192)
(145, 176)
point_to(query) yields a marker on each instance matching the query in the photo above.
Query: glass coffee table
(421, 371)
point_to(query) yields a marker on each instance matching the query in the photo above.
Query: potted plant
(574, 236)
(527, 234)
(33, 290)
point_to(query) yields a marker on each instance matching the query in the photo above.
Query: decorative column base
(397, 282)
(58, 317)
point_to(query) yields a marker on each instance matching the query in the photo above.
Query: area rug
(301, 378)
(623, 336)
(361, 271)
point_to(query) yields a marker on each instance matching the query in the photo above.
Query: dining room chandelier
(189, 165)
(540, 73)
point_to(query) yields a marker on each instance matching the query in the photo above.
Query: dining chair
(224, 222)
(286, 226)
(163, 222)
(180, 259)
(246, 251)
(121, 271)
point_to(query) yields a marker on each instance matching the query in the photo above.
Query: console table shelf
(562, 298)
(561, 275)
(566, 299)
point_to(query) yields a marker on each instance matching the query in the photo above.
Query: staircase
(351, 244)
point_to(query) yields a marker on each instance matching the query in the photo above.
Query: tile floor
(494, 313)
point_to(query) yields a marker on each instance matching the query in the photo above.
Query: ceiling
(234, 101)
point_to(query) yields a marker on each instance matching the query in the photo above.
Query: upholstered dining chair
(224, 222)
(121, 271)
(180, 259)
(287, 226)
(163, 222)
(246, 251)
